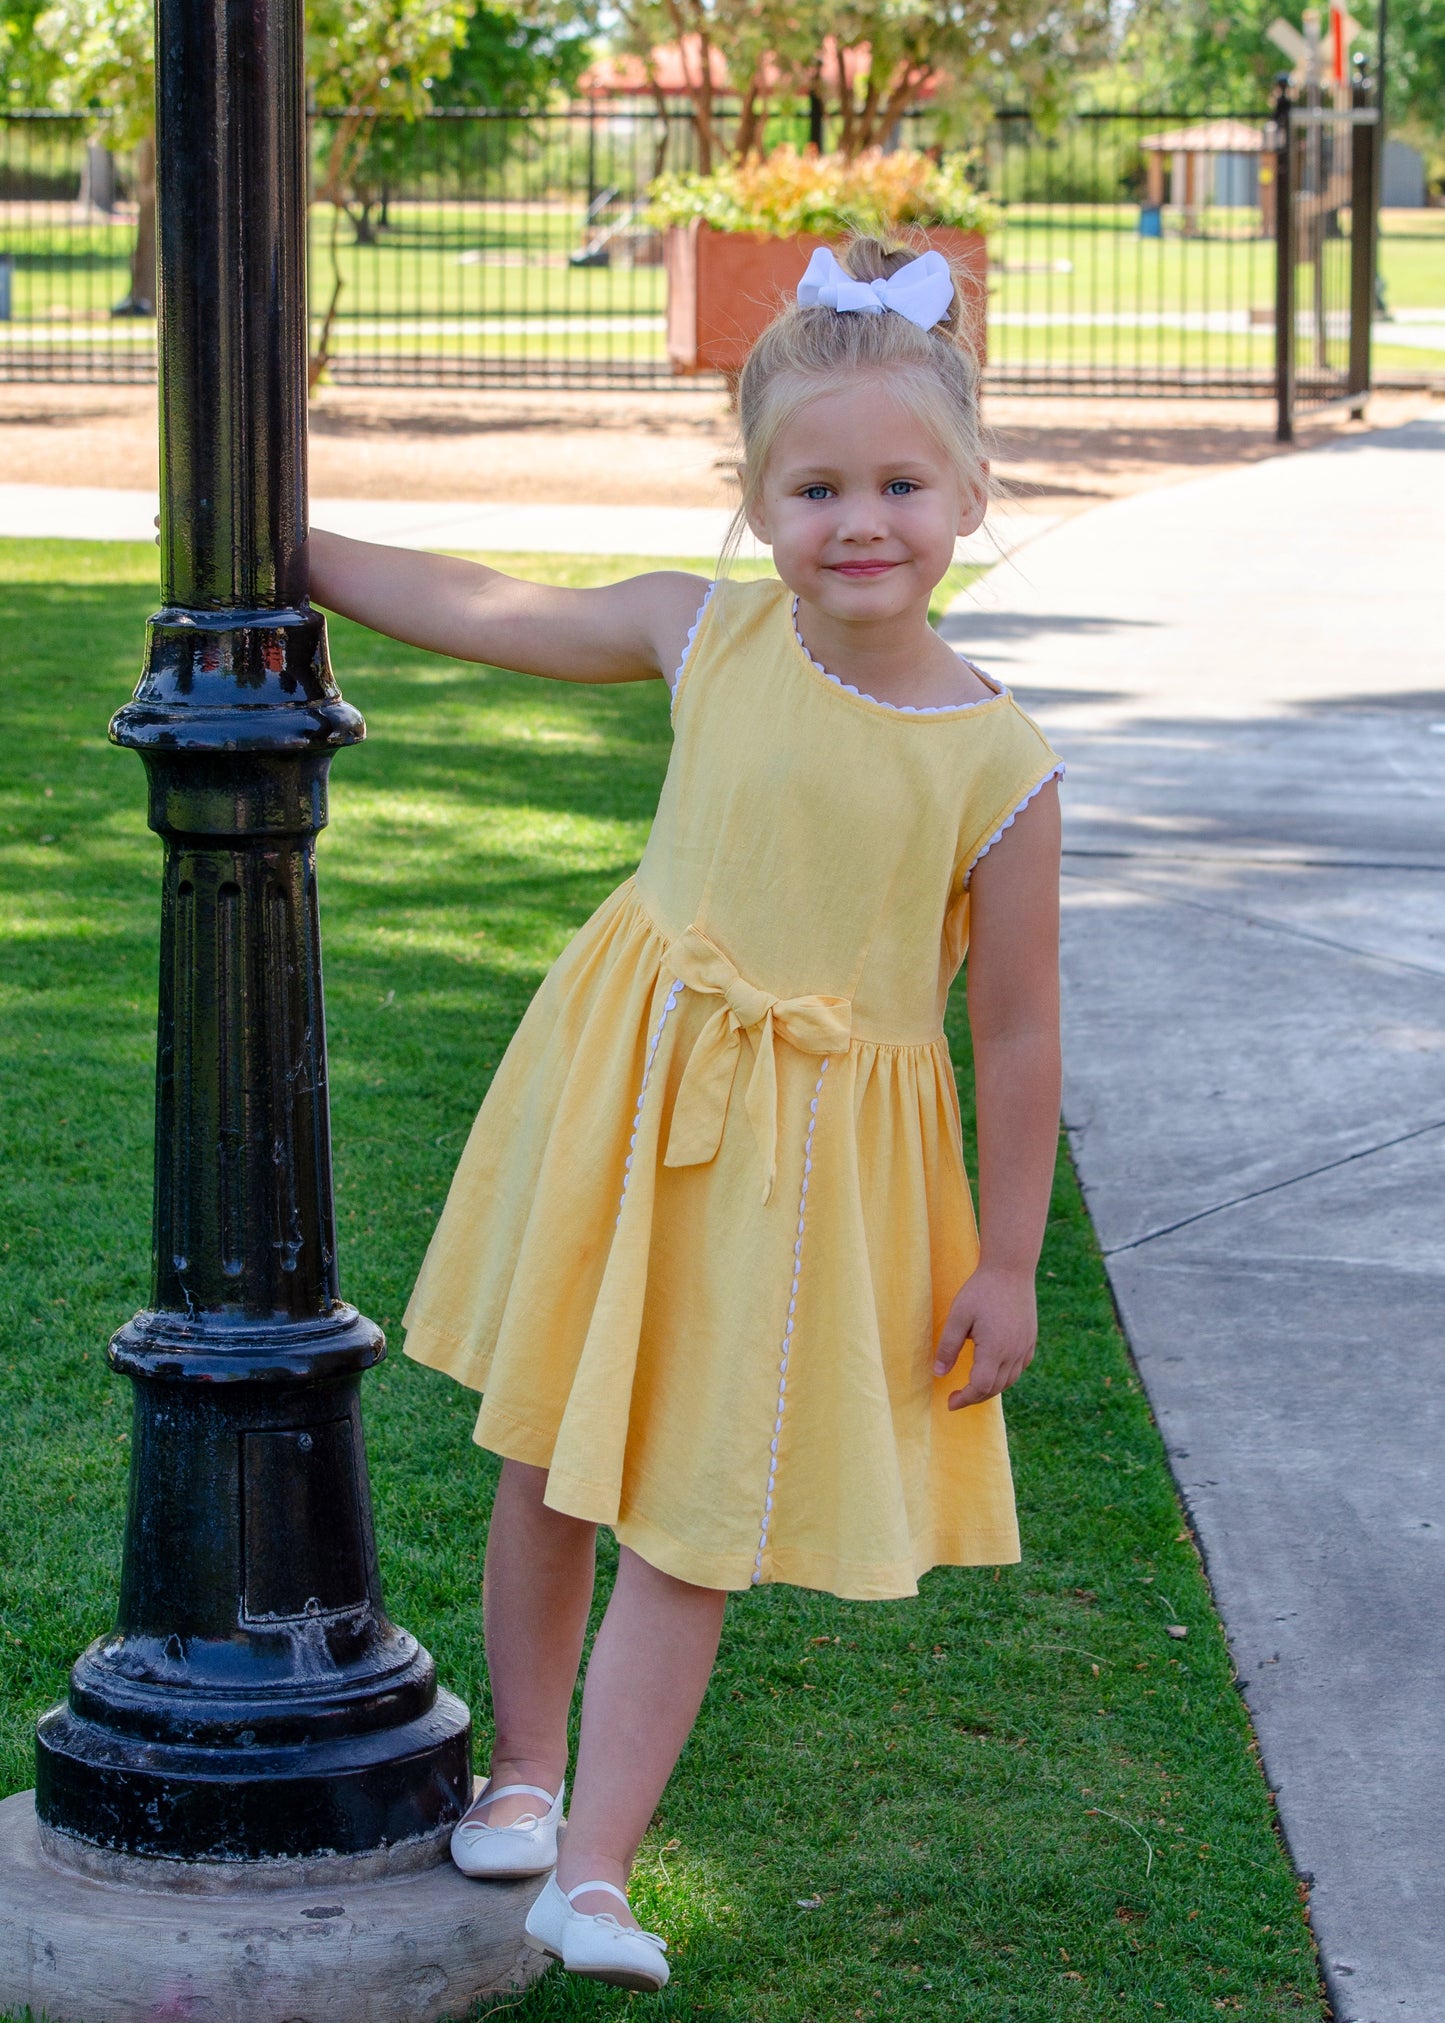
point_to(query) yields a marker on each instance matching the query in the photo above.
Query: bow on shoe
(921, 290)
(815, 1025)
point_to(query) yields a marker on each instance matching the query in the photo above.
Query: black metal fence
(1136, 251)
(1135, 256)
(68, 218)
(494, 248)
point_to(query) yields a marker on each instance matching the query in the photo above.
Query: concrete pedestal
(408, 1948)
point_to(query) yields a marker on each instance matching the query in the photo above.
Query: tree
(26, 68)
(1221, 47)
(965, 52)
(1220, 55)
(518, 63)
(366, 58)
(868, 61)
(103, 57)
(1415, 66)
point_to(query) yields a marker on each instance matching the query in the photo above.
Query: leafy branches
(366, 57)
(103, 53)
(1227, 57)
(867, 61)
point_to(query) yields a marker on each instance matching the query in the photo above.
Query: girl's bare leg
(648, 1672)
(536, 1594)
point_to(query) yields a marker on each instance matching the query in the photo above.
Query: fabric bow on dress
(814, 1025)
(921, 290)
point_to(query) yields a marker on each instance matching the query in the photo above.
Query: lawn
(1014, 1799)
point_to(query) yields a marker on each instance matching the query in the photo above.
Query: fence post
(1284, 267)
(1364, 214)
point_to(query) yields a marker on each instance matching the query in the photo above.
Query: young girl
(709, 1255)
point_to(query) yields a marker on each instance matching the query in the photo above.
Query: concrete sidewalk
(96, 513)
(1247, 675)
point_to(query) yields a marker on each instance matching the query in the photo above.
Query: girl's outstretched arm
(624, 632)
(1013, 1014)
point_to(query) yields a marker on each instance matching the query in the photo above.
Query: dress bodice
(821, 840)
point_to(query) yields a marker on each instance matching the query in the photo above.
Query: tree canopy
(1220, 52)
(25, 67)
(381, 55)
(867, 60)
(386, 55)
(516, 61)
(102, 59)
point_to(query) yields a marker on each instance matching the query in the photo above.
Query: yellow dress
(713, 1211)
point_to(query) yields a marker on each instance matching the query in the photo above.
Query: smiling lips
(862, 569)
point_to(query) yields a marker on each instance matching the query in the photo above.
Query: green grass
(1012, 1800)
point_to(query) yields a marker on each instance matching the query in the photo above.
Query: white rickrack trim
(904, 708)
(787, 1341)
(672, 997)
(1057, 774)
(681, 667)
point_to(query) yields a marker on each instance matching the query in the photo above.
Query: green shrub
(788, 192)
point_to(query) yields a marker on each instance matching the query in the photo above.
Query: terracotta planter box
(724, 287)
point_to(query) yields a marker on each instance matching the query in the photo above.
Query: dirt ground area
(672, 447)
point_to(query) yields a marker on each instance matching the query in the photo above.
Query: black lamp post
(253, 1702)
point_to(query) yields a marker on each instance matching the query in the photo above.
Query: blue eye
(901, 487)
(815, 492)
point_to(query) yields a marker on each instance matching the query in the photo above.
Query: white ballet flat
(593, 1943)
(527, 1847)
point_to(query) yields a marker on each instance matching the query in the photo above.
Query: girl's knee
(525, 1486)
(642, 1573)
(522, 1480)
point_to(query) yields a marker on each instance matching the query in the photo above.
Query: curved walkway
(1247, 675)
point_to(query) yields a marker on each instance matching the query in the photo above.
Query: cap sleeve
(1018, 765)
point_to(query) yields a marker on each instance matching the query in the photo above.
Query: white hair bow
(921, 290)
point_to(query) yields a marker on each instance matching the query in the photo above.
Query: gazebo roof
(1210, 137)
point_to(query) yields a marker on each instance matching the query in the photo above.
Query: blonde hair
(805, 353)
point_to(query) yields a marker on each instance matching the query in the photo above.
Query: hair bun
(868, 259)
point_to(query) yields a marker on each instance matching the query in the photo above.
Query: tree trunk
(359, 211)
(903, 88)
(97, 178)
(846, 145)
(706, 131)
(699, 92)
(339, 157)
(141, 301)
(752, 121)
(320, 358)
(664, 124)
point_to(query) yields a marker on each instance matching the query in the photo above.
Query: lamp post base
(328, 1946)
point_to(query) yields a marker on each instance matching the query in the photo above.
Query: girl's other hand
(996, 1312)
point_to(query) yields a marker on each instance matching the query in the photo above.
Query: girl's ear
(975, 501)
(753, 513)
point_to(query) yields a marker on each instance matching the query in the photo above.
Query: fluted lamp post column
(254, 1721)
